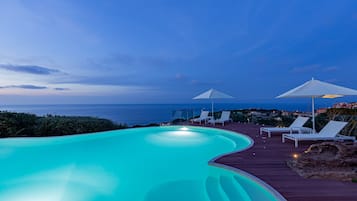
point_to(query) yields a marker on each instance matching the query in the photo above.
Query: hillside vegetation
(29, 125)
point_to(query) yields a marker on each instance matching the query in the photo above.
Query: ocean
(141, 114)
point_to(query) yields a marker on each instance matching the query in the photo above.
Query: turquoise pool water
(145, 164)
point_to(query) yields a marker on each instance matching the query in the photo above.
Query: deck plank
(267, 158)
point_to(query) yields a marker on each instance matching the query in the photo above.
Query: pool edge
(272, 190)
(213, 162)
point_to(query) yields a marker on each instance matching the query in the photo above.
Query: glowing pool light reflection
(184, 128)
(145, 164)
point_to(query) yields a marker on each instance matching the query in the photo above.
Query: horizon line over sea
(141, 114)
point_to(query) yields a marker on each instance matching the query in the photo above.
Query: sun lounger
(225, 117)
(203, 117)
(329, 132)
(296, 126)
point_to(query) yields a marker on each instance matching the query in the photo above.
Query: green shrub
(238, 116)
(22, 124)
(16, 124)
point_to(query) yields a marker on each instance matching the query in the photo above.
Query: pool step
(225, 188)
(251, 190)
(233, 189)
(214, 190)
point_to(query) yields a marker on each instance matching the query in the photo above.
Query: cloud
(314, 68)
(251, 48)
(26, 86)
(96, 80)
(330, 69)
(32, 87)
(306, 69)
(205, 83)
(30, 69)
(61, 89)
(123, 59)
(132, 63)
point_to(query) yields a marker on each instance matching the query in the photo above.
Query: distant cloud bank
(31, 69)
(61, 89)
(34, 87)
(25, 86)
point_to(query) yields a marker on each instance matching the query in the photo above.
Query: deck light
(295, 156)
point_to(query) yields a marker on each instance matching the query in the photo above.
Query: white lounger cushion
(297, 125)
(329, 132)
(203, 117)
(225, 116)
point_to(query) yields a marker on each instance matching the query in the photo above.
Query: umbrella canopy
(212, 94)
(317, 89)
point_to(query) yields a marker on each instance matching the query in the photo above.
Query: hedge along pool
(170, 163)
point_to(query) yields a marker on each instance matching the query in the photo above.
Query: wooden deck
(266, 160)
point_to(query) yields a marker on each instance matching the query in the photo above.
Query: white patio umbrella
(317, 89)
(212, 94)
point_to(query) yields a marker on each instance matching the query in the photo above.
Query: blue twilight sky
(169, 51)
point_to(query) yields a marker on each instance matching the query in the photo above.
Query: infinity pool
(144, 164)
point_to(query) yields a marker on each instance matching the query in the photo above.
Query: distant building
(295, 113)
(285, 113)
(352, 105)
(321, 111)
(257, 114)
(306, 114)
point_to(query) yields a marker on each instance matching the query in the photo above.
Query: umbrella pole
(212, 112)
(313, 114)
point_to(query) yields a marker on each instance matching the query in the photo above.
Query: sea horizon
(141, 114)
